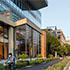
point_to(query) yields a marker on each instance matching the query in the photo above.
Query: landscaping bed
(58, 66)
(23, 64)
(20, 64)
(1, 67)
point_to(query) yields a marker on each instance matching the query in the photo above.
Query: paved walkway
(67, 67)
(40, 66)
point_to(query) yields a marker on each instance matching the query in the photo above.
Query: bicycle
(10, 66)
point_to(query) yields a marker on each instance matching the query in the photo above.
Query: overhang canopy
(38, 4)
(33, 4)
(19, 22)
(26, 21)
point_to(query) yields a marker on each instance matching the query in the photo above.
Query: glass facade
(20, 39)
(14, 6)
(27, 41)
(27, 38)
(3, 41)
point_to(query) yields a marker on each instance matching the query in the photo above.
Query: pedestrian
(2, 61)
(11, 61)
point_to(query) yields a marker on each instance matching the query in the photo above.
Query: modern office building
(60, 36)
(20, 22)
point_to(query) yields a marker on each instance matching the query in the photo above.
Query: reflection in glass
(3, 42)
(27, 41)
(20, 39)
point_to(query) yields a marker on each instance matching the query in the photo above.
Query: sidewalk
(40, 66)
(67, 67)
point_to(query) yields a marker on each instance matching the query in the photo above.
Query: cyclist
(11, 61)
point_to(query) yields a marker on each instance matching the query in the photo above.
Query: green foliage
(1, 67)
(39, 55)
(38, 61)
(67, 49)
(21, 64)
(23, 56)
(52, 43)
(50, 56)
(48, 60)
(32, 62)
(63, 50)
(58, 66)
(60, 50)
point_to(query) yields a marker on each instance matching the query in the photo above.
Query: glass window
(27, 41)
(20, 39)
(3, 41)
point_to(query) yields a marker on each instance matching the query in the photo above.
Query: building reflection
(27, 41)
(3, 41)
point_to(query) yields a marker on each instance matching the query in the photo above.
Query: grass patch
(58, 66)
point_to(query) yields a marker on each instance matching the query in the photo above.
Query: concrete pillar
(11, 41)
(14, 42)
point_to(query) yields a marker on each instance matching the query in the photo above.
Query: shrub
(48, 60)
(21, 64)
(23, 56)
(39, 55)
(50, 56)
(1, 67)
(32, 62)
(38, 61)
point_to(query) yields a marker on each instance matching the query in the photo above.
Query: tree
(67, 49)
(52, 43)
(61, 50)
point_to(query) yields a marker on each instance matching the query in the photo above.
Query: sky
(57, 14)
